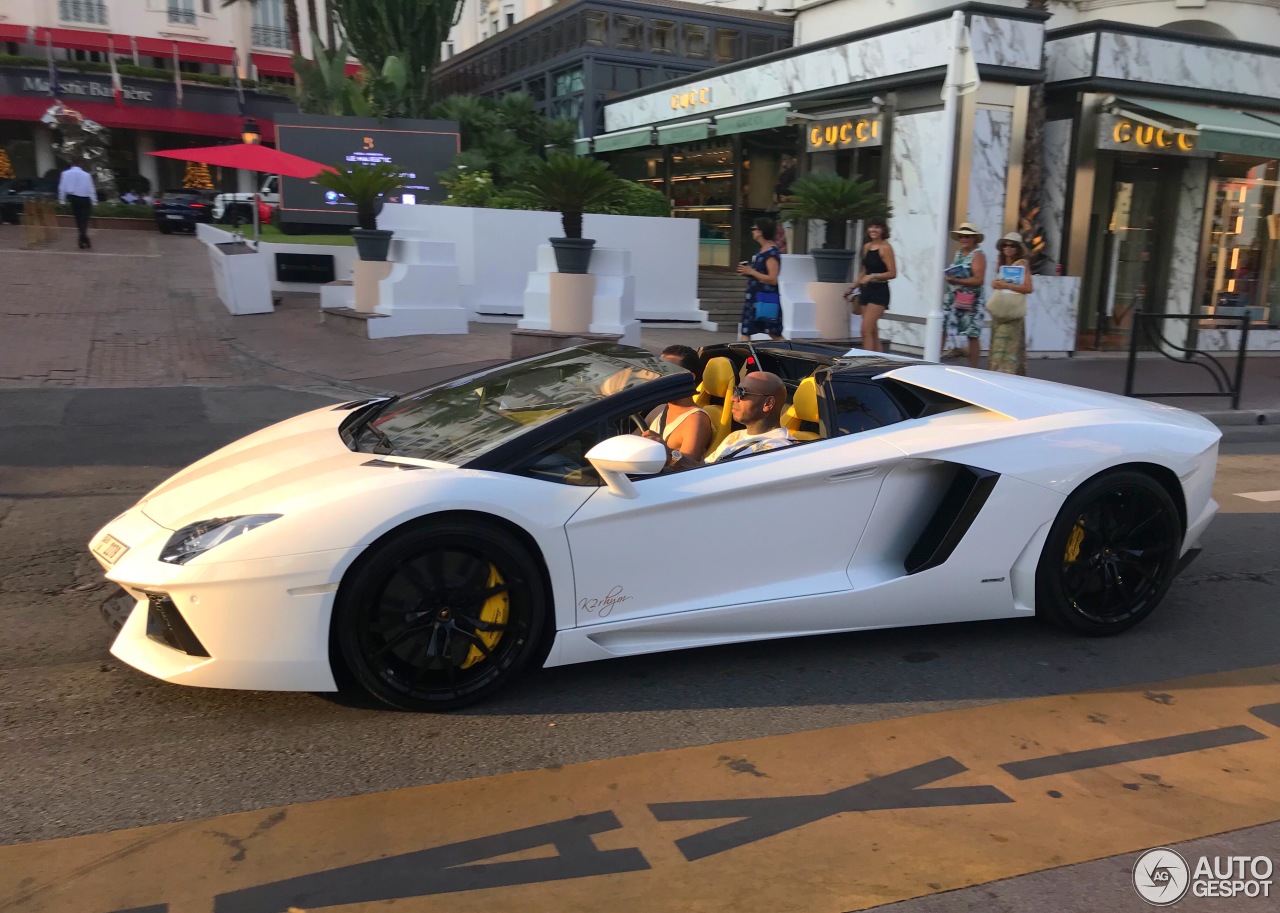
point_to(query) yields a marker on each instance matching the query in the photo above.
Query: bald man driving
(757, 403)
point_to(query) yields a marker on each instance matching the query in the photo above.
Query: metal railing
(93, 12)
(270, 36)
(1227, 382)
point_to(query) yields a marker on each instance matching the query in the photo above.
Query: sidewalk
(140, 310)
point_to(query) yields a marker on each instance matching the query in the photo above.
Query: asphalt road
(89, 745)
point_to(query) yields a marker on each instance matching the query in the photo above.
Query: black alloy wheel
(441, 616)
(1111, 554)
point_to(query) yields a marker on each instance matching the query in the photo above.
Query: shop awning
(1218, 129)
(582, 146)
(187, 50)
(688, 132)
(15, 33)
(764, 118)
(76, 40)
(624, 139)
(272, 64)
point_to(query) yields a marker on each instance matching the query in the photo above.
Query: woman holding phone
(1008, 306)
(762, 306)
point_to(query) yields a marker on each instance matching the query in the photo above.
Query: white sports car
(431, 546)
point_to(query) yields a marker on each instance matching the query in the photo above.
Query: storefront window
(728, 45)
(567, 81)
(628, 32)
(702, 189)
(597, 28)
(1243, 267)
(662, 36)
(696, 42)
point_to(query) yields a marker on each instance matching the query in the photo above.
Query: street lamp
(250, 133)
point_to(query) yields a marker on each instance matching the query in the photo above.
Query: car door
(772, 526)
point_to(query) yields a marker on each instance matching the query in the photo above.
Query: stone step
(348, 320)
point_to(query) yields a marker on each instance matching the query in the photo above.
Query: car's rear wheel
(1111, 554)
(441, 616)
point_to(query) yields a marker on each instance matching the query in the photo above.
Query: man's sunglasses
(741, 392)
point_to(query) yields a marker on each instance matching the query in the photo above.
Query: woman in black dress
(761, 306)
(878, 266)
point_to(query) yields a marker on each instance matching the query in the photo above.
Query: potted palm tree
(571, 186)
(834, 201)
(365, 186)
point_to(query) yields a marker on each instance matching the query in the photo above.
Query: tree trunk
(291, 23)
(1031, 198)
(313, 21)
(331, 21)
(572, 222)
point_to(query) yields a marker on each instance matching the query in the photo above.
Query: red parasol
(249, 156)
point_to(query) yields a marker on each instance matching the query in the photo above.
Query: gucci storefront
(1162, 174)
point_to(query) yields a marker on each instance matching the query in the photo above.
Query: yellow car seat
(801, 417)
(715, 395)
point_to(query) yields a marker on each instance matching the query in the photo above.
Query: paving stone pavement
(140, 309)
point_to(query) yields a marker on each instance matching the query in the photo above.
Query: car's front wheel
(440, 616)
(1111, 554)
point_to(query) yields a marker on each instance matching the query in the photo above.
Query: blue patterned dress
(964, 323)
(750, 324)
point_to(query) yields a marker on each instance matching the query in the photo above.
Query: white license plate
(109, 549)
(176, 218)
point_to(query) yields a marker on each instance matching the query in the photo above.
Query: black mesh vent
(166, 625)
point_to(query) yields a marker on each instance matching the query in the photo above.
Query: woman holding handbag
(762, 306)
(966, 278)
(1008, 306)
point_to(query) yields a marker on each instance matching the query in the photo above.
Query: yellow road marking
(829, 820)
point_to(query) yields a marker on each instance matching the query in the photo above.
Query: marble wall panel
(917, 48)
(918, 190)
(1052, 312)
(1141, 58)
(988, 173)
(1053, 205)
(1229, 340)
(1069, 58)
(1006, 42)
(1186, 248)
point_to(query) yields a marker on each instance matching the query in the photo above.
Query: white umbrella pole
(255, 220)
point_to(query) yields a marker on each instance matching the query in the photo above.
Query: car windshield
(455, 423)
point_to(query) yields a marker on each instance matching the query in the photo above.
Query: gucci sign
(843, 134)
(691, 99)
(1120, 134)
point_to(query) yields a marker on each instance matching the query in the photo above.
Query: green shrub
(115, 211)
(638, 200)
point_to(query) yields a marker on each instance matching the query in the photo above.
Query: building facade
(191, 71)
(1162, 144)
(575, 56)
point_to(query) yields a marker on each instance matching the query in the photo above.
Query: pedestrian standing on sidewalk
(878, 266)
(76, 188)
(966, 279)
(762, 306)
(1008, 307)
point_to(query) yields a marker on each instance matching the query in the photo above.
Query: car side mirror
(615, 457)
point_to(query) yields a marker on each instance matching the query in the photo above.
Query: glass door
(1133, 255)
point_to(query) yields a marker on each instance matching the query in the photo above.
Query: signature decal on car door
(604, 605)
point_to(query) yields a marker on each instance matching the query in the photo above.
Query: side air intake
(967, 493)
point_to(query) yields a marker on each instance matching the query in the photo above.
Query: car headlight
(198, 538)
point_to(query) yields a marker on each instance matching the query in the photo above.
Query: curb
(1243, 417)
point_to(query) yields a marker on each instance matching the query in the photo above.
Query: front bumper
(261, 624)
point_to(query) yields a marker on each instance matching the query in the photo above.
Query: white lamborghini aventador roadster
(432, 546)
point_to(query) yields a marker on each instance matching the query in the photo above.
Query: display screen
(421, 149)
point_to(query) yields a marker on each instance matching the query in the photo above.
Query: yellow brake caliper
(1072, 553)
(494, 611)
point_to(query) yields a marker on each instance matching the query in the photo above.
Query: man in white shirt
(757, 403)
(76, 188)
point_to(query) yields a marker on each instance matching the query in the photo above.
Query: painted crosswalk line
(1264, 496)
(838, 819)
